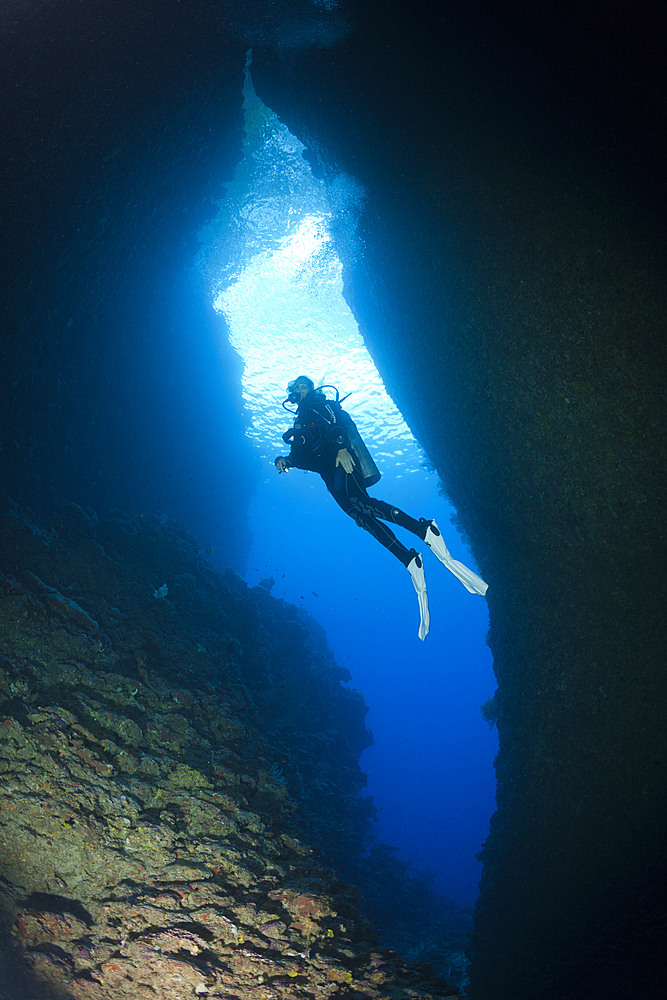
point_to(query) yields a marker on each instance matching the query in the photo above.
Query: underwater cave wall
(180, 770)
(120, 123)
(512, 292)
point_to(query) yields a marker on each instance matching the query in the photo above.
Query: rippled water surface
(272, 271)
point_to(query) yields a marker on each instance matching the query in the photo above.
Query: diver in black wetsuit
(324, 439)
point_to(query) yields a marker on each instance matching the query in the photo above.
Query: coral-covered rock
(158, 822)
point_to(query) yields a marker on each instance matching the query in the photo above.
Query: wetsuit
(318, 434)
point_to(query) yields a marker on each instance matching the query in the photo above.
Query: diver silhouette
(324, 439)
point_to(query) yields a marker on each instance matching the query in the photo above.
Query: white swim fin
(436, 543)
(416, 571)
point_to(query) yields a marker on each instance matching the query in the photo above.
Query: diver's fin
(436, 543)
(416, 571)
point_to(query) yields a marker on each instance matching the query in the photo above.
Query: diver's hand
(345, 459)
(282, 464)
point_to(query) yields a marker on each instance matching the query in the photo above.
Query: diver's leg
(350, 494)
(429, 532)
(396, 516)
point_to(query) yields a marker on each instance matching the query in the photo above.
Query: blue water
(430, 770)
(271, 271)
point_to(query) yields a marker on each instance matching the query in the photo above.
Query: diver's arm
(284, 463)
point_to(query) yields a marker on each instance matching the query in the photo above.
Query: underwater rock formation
(122, 122)
(509, 281)
(173, 763)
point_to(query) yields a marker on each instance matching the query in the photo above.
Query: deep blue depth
(430, 770)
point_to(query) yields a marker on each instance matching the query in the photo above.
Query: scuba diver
(325, 439)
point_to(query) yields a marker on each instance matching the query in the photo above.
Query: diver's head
(299, 387)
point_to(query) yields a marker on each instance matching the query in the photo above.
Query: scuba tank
(369, 469)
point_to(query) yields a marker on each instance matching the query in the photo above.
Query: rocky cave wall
(180, 768)
(512, 291)
(120, 124)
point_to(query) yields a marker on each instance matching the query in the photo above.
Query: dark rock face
(175, 750)
(511, 287)
(120, 125)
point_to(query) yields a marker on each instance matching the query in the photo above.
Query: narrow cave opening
(271, 269)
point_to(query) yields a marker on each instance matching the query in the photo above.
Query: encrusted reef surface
(178, 757)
